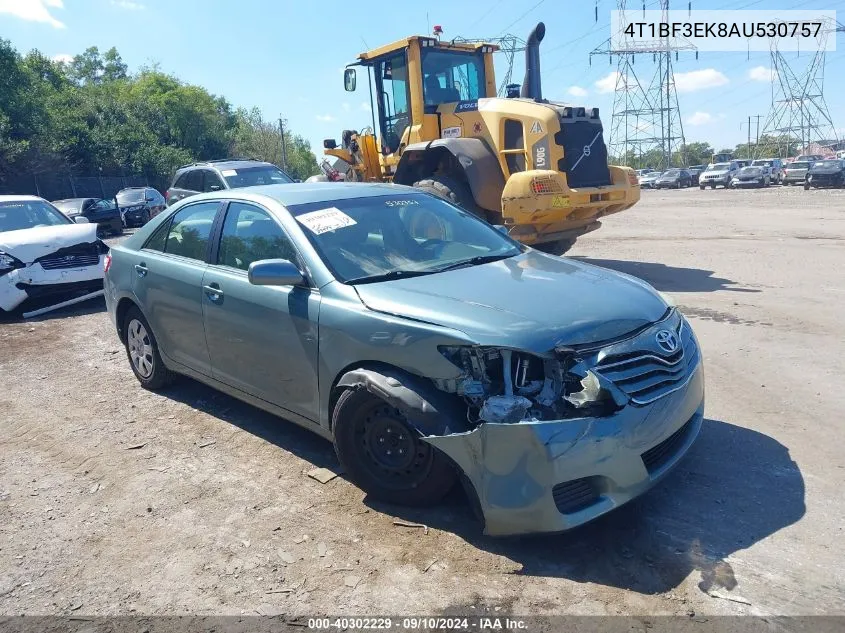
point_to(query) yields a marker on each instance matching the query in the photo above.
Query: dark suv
(229, 173)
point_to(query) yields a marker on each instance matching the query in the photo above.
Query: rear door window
(190, 230)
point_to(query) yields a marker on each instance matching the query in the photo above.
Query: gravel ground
(114, 500)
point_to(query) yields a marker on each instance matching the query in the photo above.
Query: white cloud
(699, 80)
(345, 107)
(608, 83)
(761, 73)
(33, 10)
(128, 5)
(699, 118)
(62, 58)
(577, 91)
(366, 107)
(327, 118)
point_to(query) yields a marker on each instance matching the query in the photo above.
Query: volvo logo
(667, 341)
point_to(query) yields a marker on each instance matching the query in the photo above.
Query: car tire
(452, 190)
(142, 352)
(384, 455)
(806, 187)
(702, 187)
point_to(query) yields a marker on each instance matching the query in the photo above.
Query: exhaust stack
(531, 87)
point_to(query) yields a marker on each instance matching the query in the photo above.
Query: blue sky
(287, 57)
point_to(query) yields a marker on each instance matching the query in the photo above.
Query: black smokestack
(531, 84)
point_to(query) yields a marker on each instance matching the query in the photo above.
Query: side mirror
(349, 80)
(275, 272)
(329, 143)
(80, 219)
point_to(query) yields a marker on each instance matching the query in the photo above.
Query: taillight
(167, 196)
(107, 263)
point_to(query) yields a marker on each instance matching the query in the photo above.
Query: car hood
(531, 302)
(27, 245)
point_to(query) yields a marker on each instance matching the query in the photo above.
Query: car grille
(657, 457)
(648, 375)
(78, 257)
(575, 495)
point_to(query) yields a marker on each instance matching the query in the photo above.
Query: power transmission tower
(509, 45)
(646, 116)
(799, 112)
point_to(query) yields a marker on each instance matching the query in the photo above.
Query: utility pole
(284, 145)
(757, 143)
(748, 147)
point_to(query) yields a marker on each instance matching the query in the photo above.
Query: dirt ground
(114, 500)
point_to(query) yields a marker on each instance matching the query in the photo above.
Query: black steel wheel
(384, 455)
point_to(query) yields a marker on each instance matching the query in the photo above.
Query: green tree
(256, 138)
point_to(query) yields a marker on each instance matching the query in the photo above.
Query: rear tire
(142, 351)
(384, 455)
(452, 190)
(557, 247)
(702, 187)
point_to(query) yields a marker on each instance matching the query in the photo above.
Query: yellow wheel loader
(536, 166)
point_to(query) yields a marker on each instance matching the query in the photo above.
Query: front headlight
(8, 263)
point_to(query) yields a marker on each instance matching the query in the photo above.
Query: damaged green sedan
(427, 345)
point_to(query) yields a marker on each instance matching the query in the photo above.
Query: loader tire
(452, 190)
(557, 247)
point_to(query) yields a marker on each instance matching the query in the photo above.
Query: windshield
(69, 206)
(719, 167)
(130, 196)
(450, 76)
(251, 176)
(761, 163)
(28, 214)
(672, 172)
(751, 170)
(799, 165)
(383, 237)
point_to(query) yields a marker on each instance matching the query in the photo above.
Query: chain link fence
(53, 186)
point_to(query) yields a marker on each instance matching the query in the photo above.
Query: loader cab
(410, 79)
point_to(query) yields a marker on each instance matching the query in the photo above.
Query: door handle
(213, 292)
(141, 269)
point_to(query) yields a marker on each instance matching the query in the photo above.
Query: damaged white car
(44, 254)
(428, 346)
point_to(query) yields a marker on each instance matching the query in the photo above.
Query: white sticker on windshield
(325, 220)
(229, 172)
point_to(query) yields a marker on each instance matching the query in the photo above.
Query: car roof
(236, 163)
(307, 192)
(21, 198)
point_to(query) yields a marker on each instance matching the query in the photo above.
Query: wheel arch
(427, 408)
(469, 158)
(123, 306)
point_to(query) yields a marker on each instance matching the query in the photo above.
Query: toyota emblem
(667, 341)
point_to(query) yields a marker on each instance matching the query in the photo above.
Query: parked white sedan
(43, 253)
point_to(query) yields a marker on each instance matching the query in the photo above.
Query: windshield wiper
(475, 261)
(393, 274)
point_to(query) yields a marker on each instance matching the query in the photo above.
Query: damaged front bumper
(552, 476)
(533, 475)
(34, 281)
